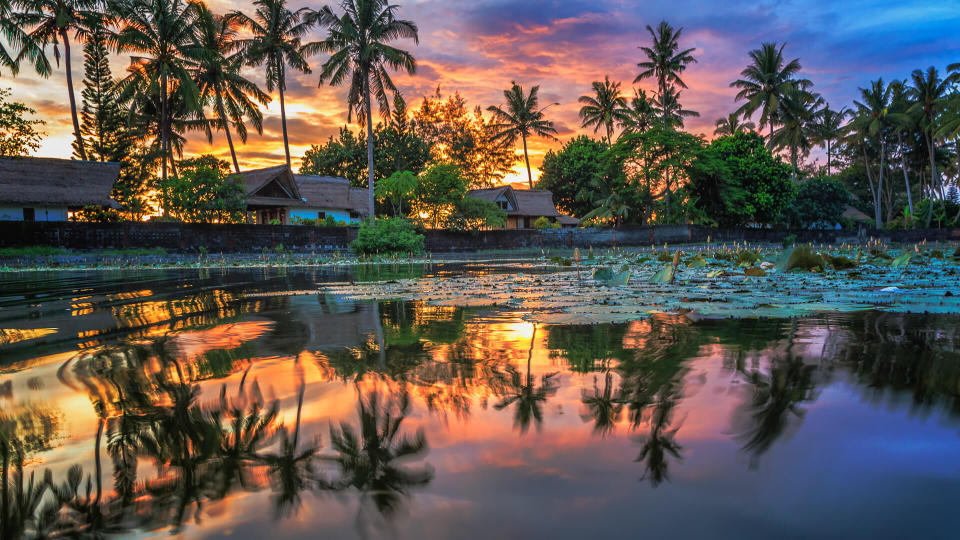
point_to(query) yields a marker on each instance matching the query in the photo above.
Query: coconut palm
(53, 21)
(275, 45)
(900, 103)
(732, 124)
(602, 406)
(521, 117)
(669, 108)
(828, 127)
(928, 93)
(219, 78)
(798, 109)
(160, 33)
(21, 43)
(665, 61)
(765, 82)
(360, 54)
(605, 108)
(639, 114)
(526, 396)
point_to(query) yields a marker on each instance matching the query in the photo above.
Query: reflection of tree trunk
(533, 339)
(97, 466)
(5, 524)
(381, 345)
(303, 387)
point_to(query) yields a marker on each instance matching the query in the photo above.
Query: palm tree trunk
(226, 130)
(163, 124)
(610, 132)
(527, 158)
(883, 157)
(828, 157)
(793, 162)
(873, 191)
(283, 111)
(73, 100)
(903, 165)
(369, 117)
(933, 174)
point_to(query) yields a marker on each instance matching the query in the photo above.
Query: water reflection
(212, 408)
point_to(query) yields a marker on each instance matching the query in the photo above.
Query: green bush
(389, 236)
(330, 221)
(542, 222)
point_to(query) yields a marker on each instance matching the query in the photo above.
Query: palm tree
(670, 109)
(360, 52)
(275, 44)
(928, 94)
(605, 108)
(874, 122)
(161, 34)
(829, 127)
(526, 395)
(798, 108)
(665, 61)
(765, 82)
(732, 124)
(54, 21)
(219, 78)
(22, 45)
(602, 406)
(639, 115)
(900, 103)
(521, 118)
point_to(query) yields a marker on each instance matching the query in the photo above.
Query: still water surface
(232, 404)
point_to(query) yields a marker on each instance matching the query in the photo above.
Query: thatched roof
(526, 202)
(854, 214)
(359, 201)
(271, 186)
(567, 220)
(324, 191)
(56, 182)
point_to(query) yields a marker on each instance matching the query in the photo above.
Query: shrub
(389, 236)
(542, 222)
(330, 221)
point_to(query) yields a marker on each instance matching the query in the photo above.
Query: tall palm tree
(360, 52)
(275, 44)
(874, 122)
(669, 107)
(639, 114)
(521, 117)
(732, 124)
(22, 45)
(605, 108)
(219, 78)
(928, 94)
(665, 61)
(829, 126)
(53, 22)
(764, 83)
(160, 33)
(900, 103)
(526, 396)
(798, 109)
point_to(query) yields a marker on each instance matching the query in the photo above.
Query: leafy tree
(401, 147)
(731, 124)
(466, 139)
(204, 193)
(360, 54)
(818, 202)
(220, 81)
(19, 135)
(275, 45)
(735, 180)
(397, 188)
(343, 157)
(473, 214)
(765, 82)
(387, 236)
(103, 123)
(568, 174)
(440, 188)
(522, 118)
(665, 62)
(605, 108)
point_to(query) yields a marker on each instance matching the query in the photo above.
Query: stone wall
(192, 238)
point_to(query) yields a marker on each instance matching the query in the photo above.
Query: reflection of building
(276, 195)
(47, 189)
(524, 206)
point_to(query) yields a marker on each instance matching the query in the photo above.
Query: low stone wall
(192, 238)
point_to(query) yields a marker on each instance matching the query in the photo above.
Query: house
(276, 195)
(49, 189)
(523, 206)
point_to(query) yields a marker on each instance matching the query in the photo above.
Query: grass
(32, 251)
(133, 252)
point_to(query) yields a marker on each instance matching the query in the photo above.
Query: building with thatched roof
(48, 189)
(276, 195)
(523, 206)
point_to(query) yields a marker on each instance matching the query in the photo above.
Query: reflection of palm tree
(660, 444)
(247, 432)
(602, 406)
(526, 395)
(371, 460)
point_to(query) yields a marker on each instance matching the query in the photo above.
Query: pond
(254, 403)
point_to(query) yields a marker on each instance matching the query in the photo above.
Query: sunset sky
(477, 47)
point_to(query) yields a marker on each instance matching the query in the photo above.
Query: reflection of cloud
(478, 47)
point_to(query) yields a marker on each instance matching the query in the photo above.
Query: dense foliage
(389, 236)
(819, 203)
(19, 134)
(569, 172)
(204, 192)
